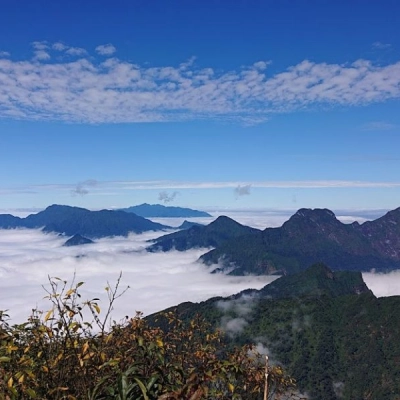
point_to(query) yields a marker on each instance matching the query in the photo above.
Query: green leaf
(142, 388)
(31, 393)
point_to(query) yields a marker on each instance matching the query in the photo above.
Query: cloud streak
(85, 90)
(107, 187)
(378, 126)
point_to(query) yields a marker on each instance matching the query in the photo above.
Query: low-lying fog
(156, 280)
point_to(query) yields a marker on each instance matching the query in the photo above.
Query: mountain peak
(211, 235)
(317, 280)
(223, 220)
(315, 213)
(313, 218)
(77, 240)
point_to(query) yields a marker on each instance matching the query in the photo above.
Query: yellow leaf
(231, 387)
(109, 337)
(69, 292)
(48, 315)
(159, 342)
(85, 347)
(10, 382)
(97, 308)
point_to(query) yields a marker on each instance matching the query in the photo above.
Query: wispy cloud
(72, 51)
(107, 187)
(117, 91)
(4, 54)
(254, 184)
(381, 46)
(59, 46)
(40, 51)
(378, 126)
(106, 49)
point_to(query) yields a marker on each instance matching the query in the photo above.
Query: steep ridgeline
(326, 328)
(160, 211)
(188, 224)
(211, 235)
(74, 220)
(311, 236)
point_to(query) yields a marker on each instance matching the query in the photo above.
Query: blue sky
(246, 104)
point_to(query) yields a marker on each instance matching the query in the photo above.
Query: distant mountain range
(309, 236)
(212, 235)
(159, 211)
(74, 220)
(326, 328)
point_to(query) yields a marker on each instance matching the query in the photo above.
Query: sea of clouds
(156, 280)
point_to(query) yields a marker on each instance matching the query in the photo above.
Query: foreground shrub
(59, 355)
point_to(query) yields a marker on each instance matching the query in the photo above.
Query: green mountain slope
(326, 328)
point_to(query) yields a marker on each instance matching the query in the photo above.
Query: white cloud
(43, 45)
(261, 65)
(72, 51)
(40, 51)
(76, 51)
(4, 54)
(156, 280)
(381, 46)
(383, 285)
(117, 91)
(233, 326)
(106, 49)
(59, 46)
(41, 55)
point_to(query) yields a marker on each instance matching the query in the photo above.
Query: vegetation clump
(58, 355)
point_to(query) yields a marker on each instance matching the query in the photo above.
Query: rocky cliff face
(384, 234)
